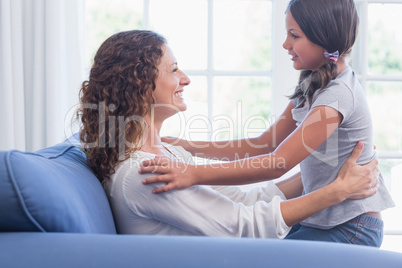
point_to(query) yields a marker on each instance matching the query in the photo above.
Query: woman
(134, 85)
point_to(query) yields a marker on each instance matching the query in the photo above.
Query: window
(377, 59)
(232, 52)
(223, 45)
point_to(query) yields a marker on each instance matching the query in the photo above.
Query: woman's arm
(203, 211)
(199, 210)
(231, 150)
(291, 187)
(353, 182)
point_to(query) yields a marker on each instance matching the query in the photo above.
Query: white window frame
(365, 77)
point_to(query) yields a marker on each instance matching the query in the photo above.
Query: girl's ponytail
(311, 81)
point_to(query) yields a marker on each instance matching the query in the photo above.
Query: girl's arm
(231, 150)
(318, 125)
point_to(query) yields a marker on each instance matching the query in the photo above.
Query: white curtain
(41, 68)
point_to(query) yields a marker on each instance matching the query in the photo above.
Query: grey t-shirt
(346, 95)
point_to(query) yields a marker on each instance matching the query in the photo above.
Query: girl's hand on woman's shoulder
(177, 175)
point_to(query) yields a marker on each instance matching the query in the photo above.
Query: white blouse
(198, 210)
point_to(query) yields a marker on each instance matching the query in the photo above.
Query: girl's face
(170, 84)
(305, 54)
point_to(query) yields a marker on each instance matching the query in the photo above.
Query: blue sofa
(54, 213)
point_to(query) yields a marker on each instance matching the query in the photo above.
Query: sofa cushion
(52, 190)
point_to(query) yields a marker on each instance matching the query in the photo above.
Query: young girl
(328, 114)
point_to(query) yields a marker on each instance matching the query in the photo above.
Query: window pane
(385, 38)
(241, 107)
(193, 124)
(184, 24)
(391, 170)
(386, 110)
(105, 17)
(242, 34)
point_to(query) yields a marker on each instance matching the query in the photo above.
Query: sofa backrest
(52, 190)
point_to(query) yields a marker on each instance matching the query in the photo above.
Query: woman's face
(305, 54)
(170, 85)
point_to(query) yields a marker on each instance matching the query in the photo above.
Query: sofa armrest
(103, 250)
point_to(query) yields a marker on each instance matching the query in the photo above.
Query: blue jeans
(362, 230)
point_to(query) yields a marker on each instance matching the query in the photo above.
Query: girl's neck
(342, 65)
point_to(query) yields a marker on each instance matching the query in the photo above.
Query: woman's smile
(179, 94)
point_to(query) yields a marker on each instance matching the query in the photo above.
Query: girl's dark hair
(331, 24)
(117, 96)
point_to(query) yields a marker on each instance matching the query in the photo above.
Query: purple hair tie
(332, 56)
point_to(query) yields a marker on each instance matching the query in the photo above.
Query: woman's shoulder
(131, 165)
(179, 152)
(126, 176)
(135, 159)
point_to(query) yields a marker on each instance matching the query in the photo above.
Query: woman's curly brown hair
(117, 96)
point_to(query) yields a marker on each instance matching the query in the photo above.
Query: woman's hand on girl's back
(355, 181)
